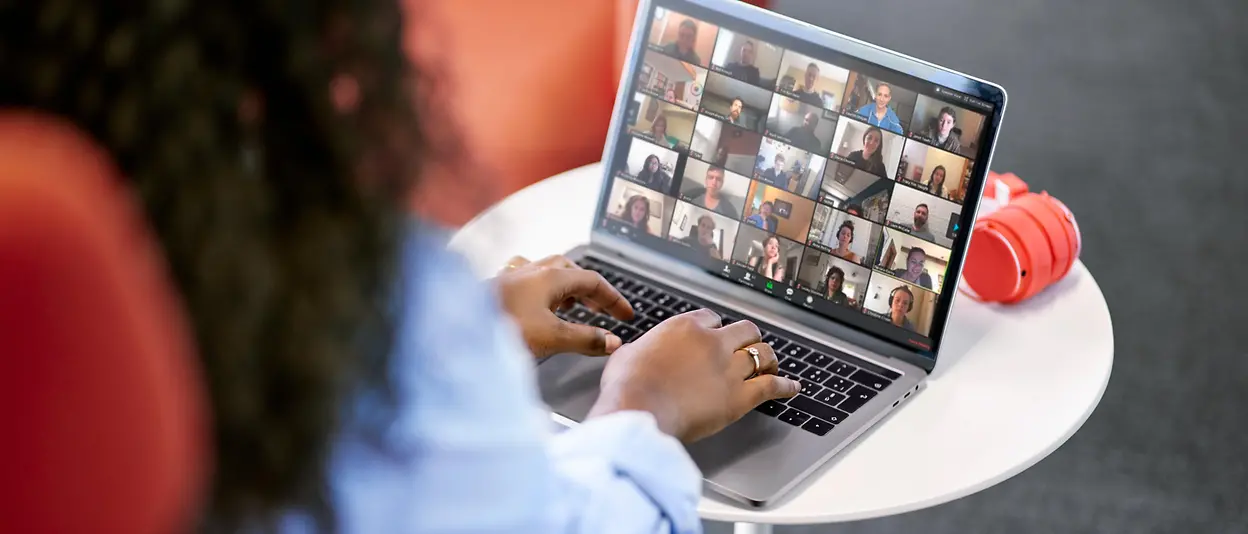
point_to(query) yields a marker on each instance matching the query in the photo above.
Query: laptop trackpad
(569, 385)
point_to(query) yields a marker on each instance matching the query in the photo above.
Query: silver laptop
(812, 183)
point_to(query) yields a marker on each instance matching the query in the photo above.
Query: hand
(695, 377)
(532, 291)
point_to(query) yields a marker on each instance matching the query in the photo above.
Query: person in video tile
(803, 136)
(807, 92)
(920, 228)
(914, 271)
(845, 236)
(682, 47)
(702, 238)
(653, 176)
(900, 302)
(776, 174)
(658, 133)
(734, 112)
(878, 113)
(769, 264)
(764, 219)
(637, 213)
(833, 286)
(743, 68)
(870, 158)
(936, 182)
(942, 134)
(709, 197)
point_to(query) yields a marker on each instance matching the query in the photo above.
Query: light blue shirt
(477, 452)
(890, 122)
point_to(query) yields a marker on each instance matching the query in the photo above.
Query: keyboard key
(775, 342)
(645, 324)
(658, 314)
(772, 408)
(829, 397)
(602, 321)
(818, 409)
(837, 383)
(818, 360)
(626, 333)
(643, 292)
(641, 307)
(793, 350)
(817, 427)
(664, 299)
(811, 390)
(682, 306)
(580, 314)
(859, 362)
(794, 417)
(788, 375)
(793, 366)
(815, 374)
(625, 285)
(870, 380)
(841, 368)
(858, 396)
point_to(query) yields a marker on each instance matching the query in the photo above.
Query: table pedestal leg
(750, 528)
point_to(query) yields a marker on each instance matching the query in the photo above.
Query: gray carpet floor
(1134, 113)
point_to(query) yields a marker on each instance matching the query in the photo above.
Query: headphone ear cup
(1067, 239)
(994, 262)
(1037, 272)
(1041, 207)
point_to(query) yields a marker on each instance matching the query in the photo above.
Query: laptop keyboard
(834, 384)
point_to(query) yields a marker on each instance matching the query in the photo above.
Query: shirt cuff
(656, 463)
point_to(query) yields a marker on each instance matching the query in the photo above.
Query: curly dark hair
(278, 201)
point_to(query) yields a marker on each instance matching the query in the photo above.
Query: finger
(743, 362)
(557, 262)
(514, 263)
(703, 317)
(592, 289)
(763, 388)
(583, 339)
(740, 334)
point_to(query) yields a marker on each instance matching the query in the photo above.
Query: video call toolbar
(826, 187)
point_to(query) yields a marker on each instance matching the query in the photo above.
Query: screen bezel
(819, 43)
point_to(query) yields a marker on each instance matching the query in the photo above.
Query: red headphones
(1024, 242)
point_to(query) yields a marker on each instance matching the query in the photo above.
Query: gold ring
(757, 364)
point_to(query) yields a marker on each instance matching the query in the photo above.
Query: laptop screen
(807, 174)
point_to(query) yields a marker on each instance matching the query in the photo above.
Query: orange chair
(532, 85)
(102, 413)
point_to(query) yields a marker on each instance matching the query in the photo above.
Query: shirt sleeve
(471, 448)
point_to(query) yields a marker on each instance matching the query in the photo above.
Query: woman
(658, 132)
(845, 236)
(869, 158)
(769, 263)
(653, 176)
(637, 213)
(359, 379)
(833, 285)
(936, 181)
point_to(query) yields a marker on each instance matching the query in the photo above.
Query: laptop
(809, 182)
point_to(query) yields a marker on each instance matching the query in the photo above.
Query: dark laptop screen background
(809, 175)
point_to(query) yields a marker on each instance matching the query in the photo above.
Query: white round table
(1012, 383)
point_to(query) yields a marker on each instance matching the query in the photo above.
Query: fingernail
(796, 386)
(613, 342)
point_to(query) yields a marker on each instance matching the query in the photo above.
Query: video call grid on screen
(714, 151)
